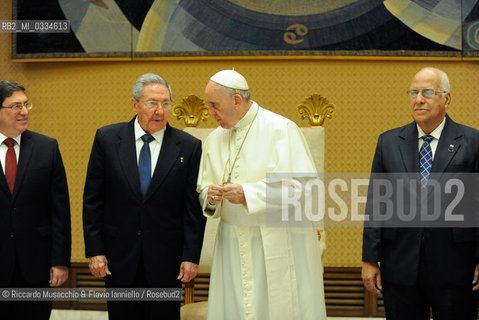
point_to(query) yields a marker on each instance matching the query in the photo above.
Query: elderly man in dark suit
(143, 223)
(34, 207)
(424, 267)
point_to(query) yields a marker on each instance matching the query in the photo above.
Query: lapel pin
(181, 159)
(451, 148)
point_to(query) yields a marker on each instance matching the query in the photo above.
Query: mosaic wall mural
(125, 28)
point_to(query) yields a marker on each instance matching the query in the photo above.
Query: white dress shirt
(4, 148)
(155, 145)
(436, 134)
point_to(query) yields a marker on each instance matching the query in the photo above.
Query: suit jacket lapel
(26, 151)
(408, 147)
(3, 183)
(449, 143)
(168, 154)
(127, 156)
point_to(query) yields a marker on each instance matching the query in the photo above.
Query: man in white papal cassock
(260, 270)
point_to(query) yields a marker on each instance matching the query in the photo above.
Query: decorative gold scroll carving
(316, 108)
(191, 109)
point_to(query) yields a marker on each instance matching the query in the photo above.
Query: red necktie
(10, 164)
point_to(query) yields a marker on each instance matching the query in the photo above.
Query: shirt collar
(17, 138)
(248, 117)
(436, 133)
(139, 132)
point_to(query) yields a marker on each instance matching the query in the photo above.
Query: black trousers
(141, 310)
(25, 310)
(417, 301)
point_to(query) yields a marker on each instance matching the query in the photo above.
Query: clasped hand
(232, 192)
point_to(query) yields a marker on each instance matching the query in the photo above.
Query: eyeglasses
(427, 93)
(153, 105)
(17, 107)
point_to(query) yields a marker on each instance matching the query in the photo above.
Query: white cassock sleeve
(210, 159)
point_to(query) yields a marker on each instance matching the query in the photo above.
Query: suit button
(12, 234)
(138, 233)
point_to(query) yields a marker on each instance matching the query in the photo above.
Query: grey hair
(243, 93)
(145, 79)
(444, 83)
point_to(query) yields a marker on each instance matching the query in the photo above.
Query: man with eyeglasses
(142, 220)
(34, 208)
(422, 266)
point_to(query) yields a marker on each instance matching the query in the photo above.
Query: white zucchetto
(230, 79)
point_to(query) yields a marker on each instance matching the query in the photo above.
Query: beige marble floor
(58, 314)
(102, 315)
